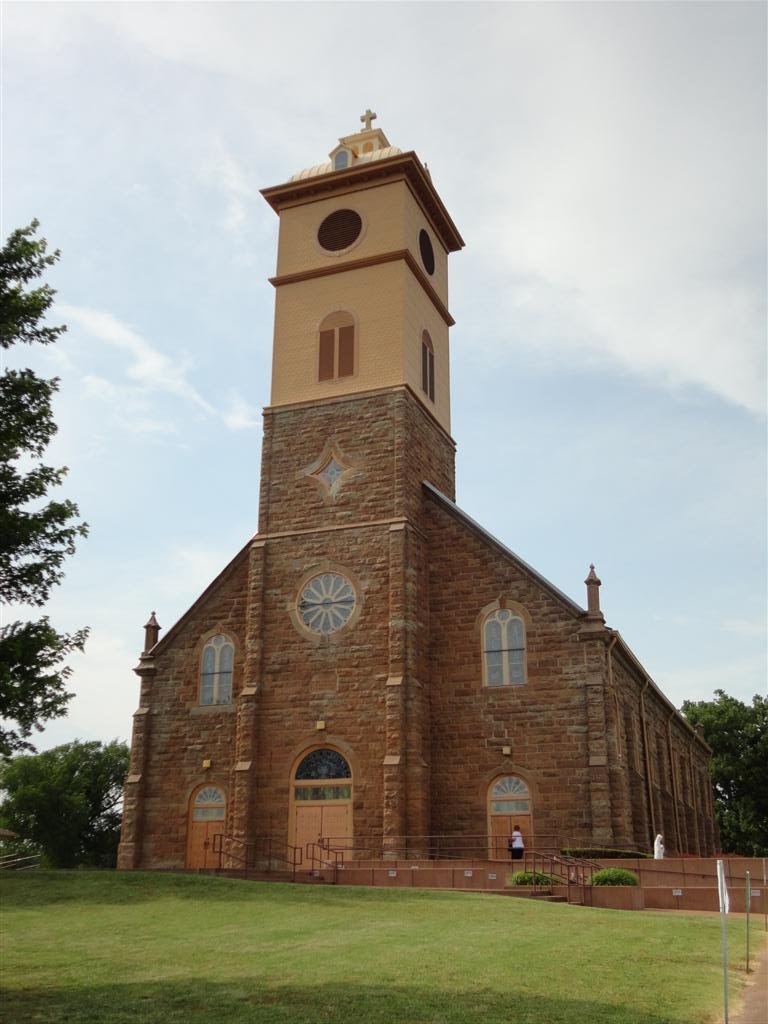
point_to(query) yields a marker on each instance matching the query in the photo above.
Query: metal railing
(13, 862)
(262, 855)
(436, 847)
(324, 858)
(572, 872)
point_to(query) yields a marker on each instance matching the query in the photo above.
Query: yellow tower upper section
(362, 277)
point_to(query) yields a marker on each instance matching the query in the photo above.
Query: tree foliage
(35, 535)
(738, 735)
(66, 801)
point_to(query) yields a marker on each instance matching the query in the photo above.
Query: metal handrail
(13, 862)
(336, 853)
(434, 846)
(265, 848)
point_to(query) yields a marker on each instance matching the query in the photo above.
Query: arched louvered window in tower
(336, 356)
(503, 649)
(427, 366)
(216, 670)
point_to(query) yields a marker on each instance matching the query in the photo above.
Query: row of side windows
(503, 650)
(336, 352)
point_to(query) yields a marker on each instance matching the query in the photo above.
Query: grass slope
(180, 949)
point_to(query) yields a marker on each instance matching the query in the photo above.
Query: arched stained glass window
(323, 764)
(216, 670)
(341, 160)
(209, 805)
(503, 649)
(510, 795)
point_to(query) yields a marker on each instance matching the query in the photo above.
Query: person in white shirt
(516, 844)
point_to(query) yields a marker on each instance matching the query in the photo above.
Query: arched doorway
(321, 798)
(509, 804)
(207, 809)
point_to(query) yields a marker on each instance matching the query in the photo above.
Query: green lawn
(115, 948)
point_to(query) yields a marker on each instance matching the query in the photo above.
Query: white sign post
(722, 892)
(748, 897)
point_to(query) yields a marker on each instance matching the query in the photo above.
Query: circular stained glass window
(427, 252)
(326, 603)
(339, 230)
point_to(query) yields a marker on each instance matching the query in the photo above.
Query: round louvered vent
(427, 252)
(339, 230)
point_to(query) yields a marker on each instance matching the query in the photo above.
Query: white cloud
(223, 172)
(187, 571)
(239, 414)
(746, 627)
(741, 677)
(129, 405)
(150, 368)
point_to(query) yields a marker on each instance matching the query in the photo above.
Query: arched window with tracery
(503, 648)
(337, 346)
(216, 670)
(427, 366)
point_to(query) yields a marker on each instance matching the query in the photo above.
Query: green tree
(738, 735)
(35, 535)
(67, 801)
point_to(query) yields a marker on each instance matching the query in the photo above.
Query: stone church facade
(373, 668)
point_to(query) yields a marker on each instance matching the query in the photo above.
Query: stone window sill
(207, 709)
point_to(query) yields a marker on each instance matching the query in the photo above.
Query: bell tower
(362, 277)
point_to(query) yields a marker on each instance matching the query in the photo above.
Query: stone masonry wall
(544, 721)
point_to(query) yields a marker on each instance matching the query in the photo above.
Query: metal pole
(748, 897)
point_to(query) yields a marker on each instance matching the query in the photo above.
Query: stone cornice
(371, 261)
(404, 165)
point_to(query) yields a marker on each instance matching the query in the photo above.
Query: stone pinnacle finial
(151, 633)
(367, 117)
(593, 595)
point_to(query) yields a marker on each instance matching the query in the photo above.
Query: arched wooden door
(509, 804)
(321, 799)
(207, 809)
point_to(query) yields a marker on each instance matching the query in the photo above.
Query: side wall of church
(181, 734)
(667, 767)
(545, 721)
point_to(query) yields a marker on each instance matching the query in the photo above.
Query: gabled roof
(476, 528)
(620, 643)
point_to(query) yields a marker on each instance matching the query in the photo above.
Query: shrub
(526, 878)
(614, 876)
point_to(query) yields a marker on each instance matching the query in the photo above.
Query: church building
(373, 668)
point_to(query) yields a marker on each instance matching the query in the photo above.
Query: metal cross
(367, 117)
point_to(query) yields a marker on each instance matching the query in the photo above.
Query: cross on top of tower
(367, 117)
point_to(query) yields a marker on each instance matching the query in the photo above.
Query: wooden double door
(321, 801)
(501, 829)
(315, 821)
(509, 804)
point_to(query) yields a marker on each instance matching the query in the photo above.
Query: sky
(606, 166)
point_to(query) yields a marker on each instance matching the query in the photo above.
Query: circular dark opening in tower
(339, 230)
(427, 252)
